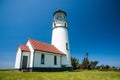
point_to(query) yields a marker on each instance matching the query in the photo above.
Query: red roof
(37, 45)
(24, 48)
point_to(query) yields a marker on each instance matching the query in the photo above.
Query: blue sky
(94, 27)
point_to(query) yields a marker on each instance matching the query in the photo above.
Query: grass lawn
(81, 75)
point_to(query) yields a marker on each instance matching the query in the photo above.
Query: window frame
(67, 48)
(42, 58)
(55, 60)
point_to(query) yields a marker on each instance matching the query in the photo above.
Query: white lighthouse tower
(60, 36)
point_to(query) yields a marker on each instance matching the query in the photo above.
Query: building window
(42, 58)
(55, 60)
(67, 48)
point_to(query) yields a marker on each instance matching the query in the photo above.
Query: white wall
(31, 53)
(49, 60)
(59, 40)
(18, 59)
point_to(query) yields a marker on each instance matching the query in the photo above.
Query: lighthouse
(60, 36)
(40, 56)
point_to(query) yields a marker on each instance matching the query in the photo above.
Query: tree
(85, 64)
(93, 64)
(107, 67)
(74, 62)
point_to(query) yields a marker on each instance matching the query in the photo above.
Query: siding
(49, 60)
(31, 53)
(18, 62)
(18, 59)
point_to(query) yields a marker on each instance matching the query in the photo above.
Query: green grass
(81, 75)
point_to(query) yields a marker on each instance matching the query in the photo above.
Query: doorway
(24, 62)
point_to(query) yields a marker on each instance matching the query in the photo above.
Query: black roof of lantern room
(59, 11)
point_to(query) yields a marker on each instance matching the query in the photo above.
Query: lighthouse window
(59, 17)
(65, 24)
(67, 46)
(42, 58)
